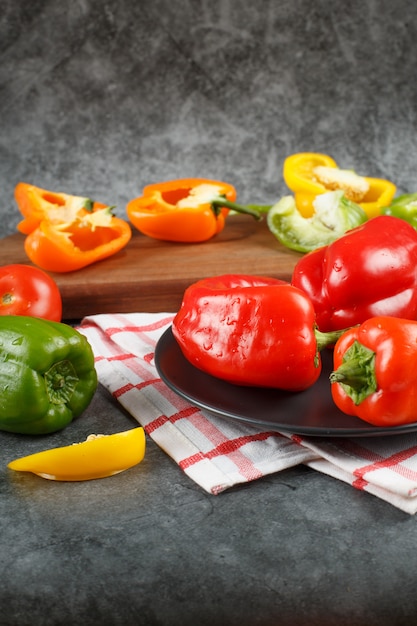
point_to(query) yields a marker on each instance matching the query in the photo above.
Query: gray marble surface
(150, 548)
(100, 98)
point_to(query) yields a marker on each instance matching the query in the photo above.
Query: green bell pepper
(47, 375)
(404, 207)
(334, 214)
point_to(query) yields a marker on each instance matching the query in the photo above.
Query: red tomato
(27, 290)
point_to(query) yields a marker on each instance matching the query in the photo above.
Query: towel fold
(218, 453)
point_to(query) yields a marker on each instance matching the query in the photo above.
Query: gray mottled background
(100, 98)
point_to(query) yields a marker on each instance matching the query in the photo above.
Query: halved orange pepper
(37, 204)
(70, 247)
(301, 174)
(66, 233)
(97, 457)
(185, 210)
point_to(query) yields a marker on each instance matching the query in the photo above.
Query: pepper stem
(255, 211)
(356, 374)
(325, 340)
(61, 380)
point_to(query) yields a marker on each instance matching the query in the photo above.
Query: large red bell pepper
(375, 371)
(369, 271)
(251, 330)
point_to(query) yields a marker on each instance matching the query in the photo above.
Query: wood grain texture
(150, 275)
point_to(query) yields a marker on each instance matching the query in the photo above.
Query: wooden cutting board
(151, 276)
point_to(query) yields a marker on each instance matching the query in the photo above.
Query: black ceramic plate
(311, 412)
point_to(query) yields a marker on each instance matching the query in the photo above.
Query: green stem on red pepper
(357, 372)
(324, 340)
(375, 371)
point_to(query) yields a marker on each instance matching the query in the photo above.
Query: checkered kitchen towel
(218, 453)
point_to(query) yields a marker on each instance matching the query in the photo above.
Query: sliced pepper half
(66, 233)
(188, 210)
(97, 457)
(37, 204)
(333, 215)
(72, 246)
(308, 174)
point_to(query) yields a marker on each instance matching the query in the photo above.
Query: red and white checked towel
(218, 453)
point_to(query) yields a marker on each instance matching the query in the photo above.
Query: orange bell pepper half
(97, 457)
(186, 210)
(70, 247)
(66, 233)
(309, 174)
(37, 204)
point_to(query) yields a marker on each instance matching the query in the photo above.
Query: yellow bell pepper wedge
(380, 195)
(298, 176)
(298, 171)
(97, 457)
(301, 175)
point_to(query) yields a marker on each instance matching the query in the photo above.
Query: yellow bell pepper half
(300, 172)
(97, 457)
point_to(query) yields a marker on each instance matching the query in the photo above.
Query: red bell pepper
(369, 271)
(252, 331)
(375, 371)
